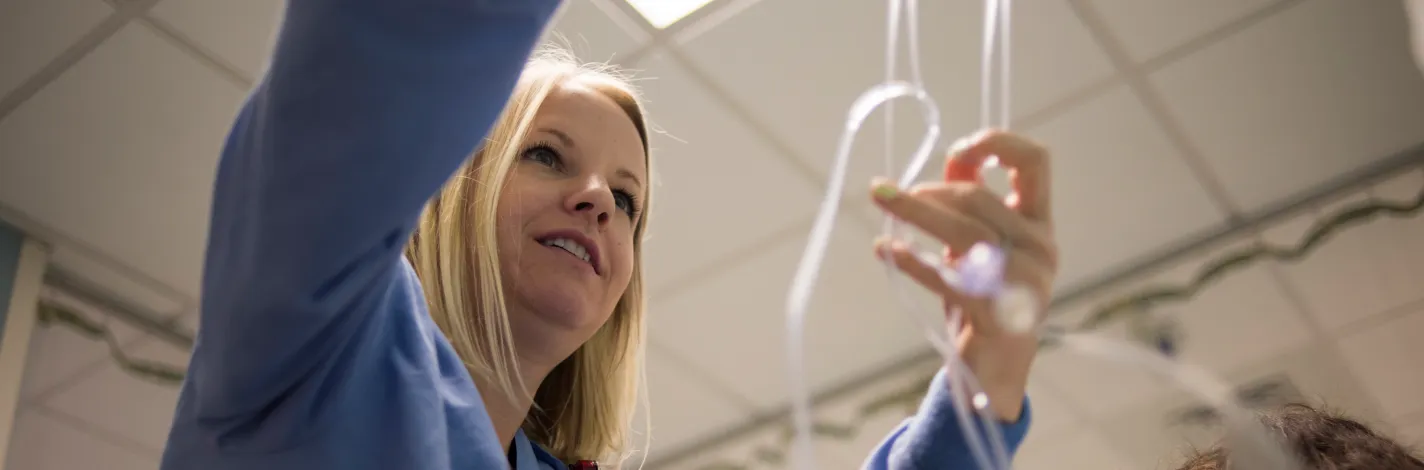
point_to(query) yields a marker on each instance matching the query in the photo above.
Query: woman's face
(567, 218)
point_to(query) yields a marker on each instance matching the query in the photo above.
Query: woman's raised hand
(962, 212)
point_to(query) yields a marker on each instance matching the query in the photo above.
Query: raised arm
(993, 342)
(367, 108)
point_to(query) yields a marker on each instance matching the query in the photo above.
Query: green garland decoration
(1242, 258)
(907, 398)
(151, 371)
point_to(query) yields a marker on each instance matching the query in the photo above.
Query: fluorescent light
(662, 13)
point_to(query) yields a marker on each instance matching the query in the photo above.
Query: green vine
(903, 399)
(1242, 258)
(152, 371)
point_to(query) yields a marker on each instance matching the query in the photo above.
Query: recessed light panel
(663, 13)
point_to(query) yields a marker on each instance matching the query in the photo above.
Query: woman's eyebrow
(625, 173)
(563, 138)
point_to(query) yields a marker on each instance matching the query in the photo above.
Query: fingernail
(884, 190)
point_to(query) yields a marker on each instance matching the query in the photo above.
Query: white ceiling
(1168, 118)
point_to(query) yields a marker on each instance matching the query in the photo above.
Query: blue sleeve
(367, 108)
(932, 439)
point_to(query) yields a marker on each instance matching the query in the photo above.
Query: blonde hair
(583, 409)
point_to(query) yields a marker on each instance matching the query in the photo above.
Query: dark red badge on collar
(584, 465)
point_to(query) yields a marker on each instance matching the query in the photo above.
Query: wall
(22, 265)
(10, 242)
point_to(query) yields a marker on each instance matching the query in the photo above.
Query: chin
(566, 311)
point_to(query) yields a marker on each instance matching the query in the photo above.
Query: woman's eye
(626, 203)
(543, 155)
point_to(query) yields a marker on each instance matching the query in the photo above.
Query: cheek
(510, 220)
(623, 249)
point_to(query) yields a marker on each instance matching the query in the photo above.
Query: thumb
(960, 165)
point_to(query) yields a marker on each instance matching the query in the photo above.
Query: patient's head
(1323, 441)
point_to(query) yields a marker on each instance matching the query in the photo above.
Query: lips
(575, 244)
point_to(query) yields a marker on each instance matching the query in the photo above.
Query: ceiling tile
(733, 324)
(44, 443)
(684, 408)
(869, 428)
(1411, 432)
(1407, 186)
(1240, 319)
(861, 418)
(1081, 448)
(596, 30)
(760, 450)
(239, 33)
(1365, 269)
(718, 188)
(857, 412)
(1096, 387)
(189, 322)
(798, 74)
(1146, 434)
(153, 122)
(59, 354)
(147, 411)
(121, 283)
(1385, 357)
(1121, 189)
(1321, 374)
(35, 32)
(1149, 28)
(243, 33)
(1051, 412)
(870, 434)
(1319, 89)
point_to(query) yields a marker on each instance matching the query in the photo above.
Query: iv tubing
(980, 276)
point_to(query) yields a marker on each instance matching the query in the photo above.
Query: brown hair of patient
(1323, 441)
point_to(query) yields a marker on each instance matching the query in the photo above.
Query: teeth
(569, 246)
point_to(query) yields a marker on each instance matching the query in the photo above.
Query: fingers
(1027, 163)
(916, 269)
(925, 207)
(1021, 272)
(962, 214)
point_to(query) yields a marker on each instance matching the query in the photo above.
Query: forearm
(933, 438)
(1003, 374)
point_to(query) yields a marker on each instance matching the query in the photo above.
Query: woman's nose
(594, 200)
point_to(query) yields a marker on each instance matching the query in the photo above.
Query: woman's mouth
(574, 247)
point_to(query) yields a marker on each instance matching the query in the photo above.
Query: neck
(538, 352)
(508, 414)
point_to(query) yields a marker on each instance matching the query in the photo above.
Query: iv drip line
(964, 384)
(980, 272)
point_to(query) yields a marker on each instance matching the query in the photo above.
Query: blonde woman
(364, 310)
